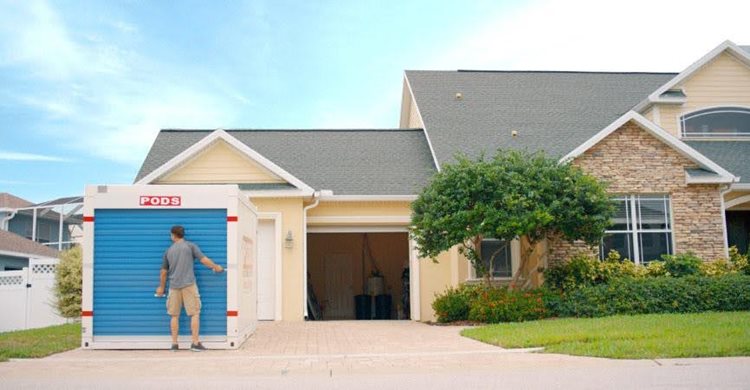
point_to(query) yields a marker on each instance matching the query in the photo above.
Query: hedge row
(654, 295)
(663, 294)
(583, 270)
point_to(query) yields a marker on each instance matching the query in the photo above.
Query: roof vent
(514, 133)
(459, 96)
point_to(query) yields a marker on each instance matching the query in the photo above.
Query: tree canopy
(513, 194)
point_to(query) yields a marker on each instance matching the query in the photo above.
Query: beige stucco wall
(725, 81)
(369, 208)
(632, 161)
(433, 278)
(220, 163)
(292, 263)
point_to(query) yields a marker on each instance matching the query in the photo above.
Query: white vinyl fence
(27, 298)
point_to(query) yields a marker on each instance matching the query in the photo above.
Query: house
(16, 251)
(334, 204)
(40, 222)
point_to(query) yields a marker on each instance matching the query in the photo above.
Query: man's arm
(204, 259)
(163, 275)
(210, 264)
(162, 282)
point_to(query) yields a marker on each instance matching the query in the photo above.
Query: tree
(68, 283)
(512, 195)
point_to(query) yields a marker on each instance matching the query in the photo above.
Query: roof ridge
(543, 71)
(295, 130)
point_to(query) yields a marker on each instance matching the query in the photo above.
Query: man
(183, 291)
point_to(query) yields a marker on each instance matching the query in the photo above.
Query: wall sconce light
(289, 240)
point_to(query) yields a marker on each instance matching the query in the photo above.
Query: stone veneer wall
(632, 161)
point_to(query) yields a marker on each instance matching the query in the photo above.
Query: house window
(641, 230)
(502, 264)
(717, 122)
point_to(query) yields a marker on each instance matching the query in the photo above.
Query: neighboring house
(674, 148)
(17, 216)
(15, 251)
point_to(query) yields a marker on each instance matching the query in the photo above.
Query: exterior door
(266, 270)
(339, 302)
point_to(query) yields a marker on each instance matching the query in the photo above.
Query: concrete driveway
(364, 354)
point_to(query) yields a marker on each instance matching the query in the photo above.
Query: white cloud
(637, 35)
(19, 156)
(96, 94)
(34, 36)
(125, 27)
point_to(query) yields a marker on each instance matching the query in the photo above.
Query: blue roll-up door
(129, 245)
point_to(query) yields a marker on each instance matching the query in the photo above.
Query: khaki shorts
(187, 296)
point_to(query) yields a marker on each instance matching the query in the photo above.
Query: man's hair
(178, 231)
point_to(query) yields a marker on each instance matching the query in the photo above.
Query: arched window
(717, 122)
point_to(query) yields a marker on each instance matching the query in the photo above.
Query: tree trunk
(525, 256)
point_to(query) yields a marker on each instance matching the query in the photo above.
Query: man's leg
(192, 300)
(195, 323)
(174, 306)
(174, 325)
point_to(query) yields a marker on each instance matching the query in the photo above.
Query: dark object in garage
(383, 307)
(363, 307)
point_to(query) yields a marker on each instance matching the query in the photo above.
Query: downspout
(6, 220)
(316, 201)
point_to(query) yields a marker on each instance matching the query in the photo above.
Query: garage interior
(358, 276)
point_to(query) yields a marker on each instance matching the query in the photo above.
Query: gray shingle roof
(734, 156)
(552, 111)
(348, 162)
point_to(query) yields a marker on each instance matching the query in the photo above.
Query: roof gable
(372, 162)
(728, 47)
(220, 163)
(207, 142)
(704, 162)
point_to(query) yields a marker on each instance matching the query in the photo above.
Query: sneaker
(175, 348)
(197, 347)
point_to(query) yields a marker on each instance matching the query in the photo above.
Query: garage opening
(358, 276)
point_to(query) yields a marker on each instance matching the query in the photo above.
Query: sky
(86, 86)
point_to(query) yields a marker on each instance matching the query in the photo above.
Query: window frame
(708, 111)
(515, 257)
(635, 224)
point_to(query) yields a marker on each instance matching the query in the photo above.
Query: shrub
(585, 270)
(451, 306)
(655, 269)
(719, 267)
(504, 305)
(613, 267)
(739, 261)
(683, 264)
(580, 270)
(656, 295)
(494, 304)
(68, 283)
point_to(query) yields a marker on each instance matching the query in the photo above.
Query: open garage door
(359, 275)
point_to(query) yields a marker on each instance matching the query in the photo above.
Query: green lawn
(34, 343)
(628, 337)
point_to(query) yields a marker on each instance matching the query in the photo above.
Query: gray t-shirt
(178, 261)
